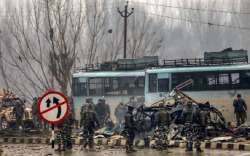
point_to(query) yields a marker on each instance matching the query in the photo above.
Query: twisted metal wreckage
(211, 119)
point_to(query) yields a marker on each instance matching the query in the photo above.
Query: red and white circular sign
(53, 107)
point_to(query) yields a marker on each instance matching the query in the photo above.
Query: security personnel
(240, 110)
(162, 121)
(190, 127)
(103, 112)
(63, 134)
(120, 112)
(19, 112)
(36, 119)
(88, 101)
(67, 128)
(61, 137)
(89, 122)
(130, 128)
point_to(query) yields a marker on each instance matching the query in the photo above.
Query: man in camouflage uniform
(19, 112)
(88, 101)
(89, 123)
(130, 128)
(64, 132)
(103, 112)
(61, 137)
(67, 128)
(162, 120)
(191, 129)
(240, 110)
(120, 112)
(36, 118)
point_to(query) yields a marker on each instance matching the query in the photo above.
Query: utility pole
(125, 14)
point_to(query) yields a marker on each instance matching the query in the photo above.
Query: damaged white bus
(214, 80)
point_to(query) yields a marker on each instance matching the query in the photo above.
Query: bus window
(95, 86)
(163, 85)
(235, 78)
(121, 86)
(245, 79)
(213, 80)
(224, 79)
(79, 87)
(131, 85)
(152, 83)
(111, 86)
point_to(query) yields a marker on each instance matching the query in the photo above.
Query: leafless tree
(45, 39)
(45, 36)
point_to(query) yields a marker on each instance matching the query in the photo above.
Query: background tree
(45, 39)
(44, 44)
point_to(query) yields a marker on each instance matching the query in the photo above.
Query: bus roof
(110, 74)
(199, 69)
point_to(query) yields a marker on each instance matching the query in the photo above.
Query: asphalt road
(42, 150)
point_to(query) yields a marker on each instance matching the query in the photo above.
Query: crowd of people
(94, 116)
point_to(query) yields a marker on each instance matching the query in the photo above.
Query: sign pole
(52, 135)
(53, 108)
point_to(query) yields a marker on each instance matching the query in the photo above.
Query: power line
(199, 22)
(192, 9)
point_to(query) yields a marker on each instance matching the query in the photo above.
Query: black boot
(199, 150)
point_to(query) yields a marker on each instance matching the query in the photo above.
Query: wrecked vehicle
(7, 114)
(174, 104)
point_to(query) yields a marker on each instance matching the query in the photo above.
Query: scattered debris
(221, 139)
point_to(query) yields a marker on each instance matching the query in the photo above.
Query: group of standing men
(162, 123)
(93, 117)
(96, 116)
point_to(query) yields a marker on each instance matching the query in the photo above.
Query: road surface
(44, 150)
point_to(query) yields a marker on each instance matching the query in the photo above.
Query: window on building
(163, 85)
(152, 83)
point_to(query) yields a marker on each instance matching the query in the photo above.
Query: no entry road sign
(53, 107)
